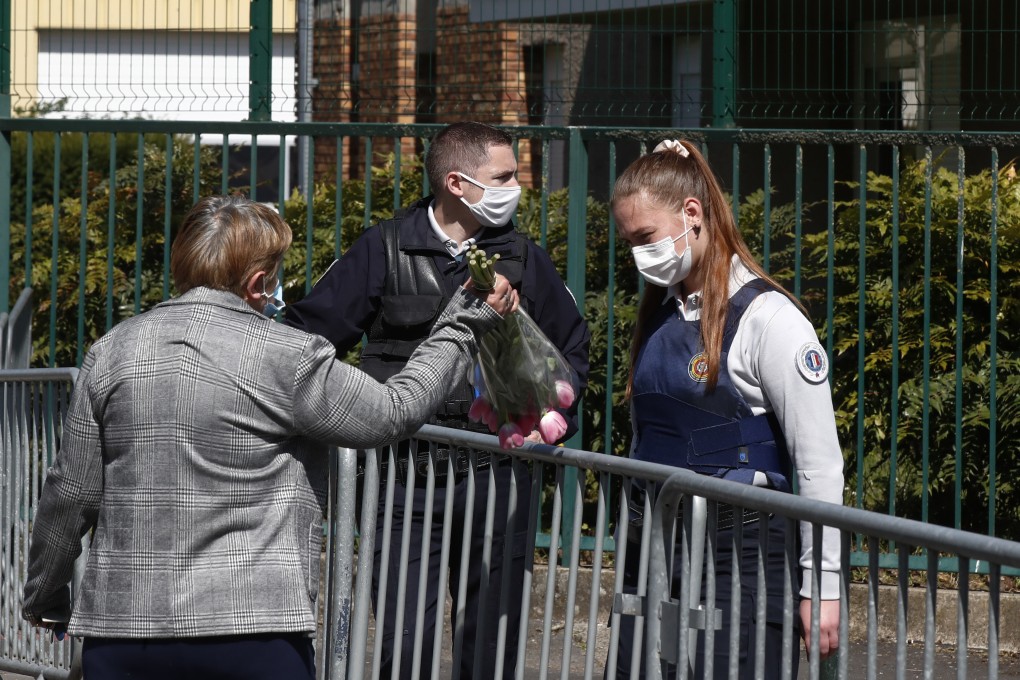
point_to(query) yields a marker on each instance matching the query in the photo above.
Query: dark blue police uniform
(392, 285)
(678, 423)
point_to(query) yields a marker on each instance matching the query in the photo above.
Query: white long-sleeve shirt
(767, 365)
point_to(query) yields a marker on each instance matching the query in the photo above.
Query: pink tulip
(564, 394)
(479, 410)
(510, 436)
(552, 427)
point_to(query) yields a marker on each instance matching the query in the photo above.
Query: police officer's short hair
(461, 147)
(224, 240)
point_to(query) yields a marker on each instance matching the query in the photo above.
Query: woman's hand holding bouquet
(520, 378)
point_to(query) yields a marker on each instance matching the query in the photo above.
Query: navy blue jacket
(345, 301)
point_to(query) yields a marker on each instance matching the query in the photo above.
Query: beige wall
(30, 16)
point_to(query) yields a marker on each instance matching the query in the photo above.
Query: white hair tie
(672, 145)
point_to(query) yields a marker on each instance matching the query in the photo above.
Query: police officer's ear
(694, 214)
(455, 184)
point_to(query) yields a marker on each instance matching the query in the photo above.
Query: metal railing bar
(602, 502)
(760, 599)
(535, 498)
(790, 565)
(844, 605)
(937, 538)
(993, 343)
(993, 621)
(931, 603)
(958, 406)
(711, 550)
(423, 559)
(550, 578)
(404, 555)
(749, 135)
(366, 563)
(505, 605)
(895, 334)
(168, 213)
(139, 220)
(444, 563)
(872, 617)
(83, 247)
(736, 593)
(575, 552)
(926, 341)
(54, 249)
(480, 631)
(962, 622)
(384, 557)
(902, 604)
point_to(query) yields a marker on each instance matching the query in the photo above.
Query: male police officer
(392, 284)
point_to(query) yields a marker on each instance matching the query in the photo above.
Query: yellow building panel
(28, 18)
(127, 15)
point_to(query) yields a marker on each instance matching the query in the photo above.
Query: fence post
(724, 51)
(5, 155)
(340, 574)
(260, 59)
(577, 219)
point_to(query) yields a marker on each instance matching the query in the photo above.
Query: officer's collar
(452, 246)
(420, 234)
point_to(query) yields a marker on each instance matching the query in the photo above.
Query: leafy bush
(131, 270)
(916, 438)
(134, 276)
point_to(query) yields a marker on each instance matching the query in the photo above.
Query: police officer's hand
(503, 298)
(828, 625)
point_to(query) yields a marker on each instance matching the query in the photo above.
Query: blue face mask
(274, 302)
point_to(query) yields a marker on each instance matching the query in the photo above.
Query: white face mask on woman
(496, 206)
(274, 301)
(659, 263)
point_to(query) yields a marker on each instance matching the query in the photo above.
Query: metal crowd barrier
(33, 403)
(666, 631)
(563, 625)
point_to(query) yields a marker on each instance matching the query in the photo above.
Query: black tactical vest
(413, 299)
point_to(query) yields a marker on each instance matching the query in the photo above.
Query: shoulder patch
(812, 362)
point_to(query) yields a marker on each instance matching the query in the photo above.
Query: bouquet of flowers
(520, 378)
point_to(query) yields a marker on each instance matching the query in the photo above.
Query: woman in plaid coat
(195, 450)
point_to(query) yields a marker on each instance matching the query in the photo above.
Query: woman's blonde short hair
(224, 240)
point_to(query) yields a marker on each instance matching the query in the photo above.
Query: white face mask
(274, 302)
(496, 206)
(659, 263)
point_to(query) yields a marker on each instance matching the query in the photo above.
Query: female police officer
(719, 343)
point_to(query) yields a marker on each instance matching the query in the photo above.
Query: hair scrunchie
(672, 145)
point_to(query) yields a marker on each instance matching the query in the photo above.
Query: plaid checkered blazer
(195, 446)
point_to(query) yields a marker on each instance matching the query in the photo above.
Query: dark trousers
(749, 597)
(482, 610)
(235, 657)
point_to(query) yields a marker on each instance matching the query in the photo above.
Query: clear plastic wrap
(520, 380)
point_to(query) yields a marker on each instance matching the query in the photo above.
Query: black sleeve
(344, 301)
(554, 310)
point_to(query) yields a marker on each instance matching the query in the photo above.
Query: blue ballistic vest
(678, 422)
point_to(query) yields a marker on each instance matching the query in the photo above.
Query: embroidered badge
(812, 362)
(698, 368)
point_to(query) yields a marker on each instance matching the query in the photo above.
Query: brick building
(416, 62)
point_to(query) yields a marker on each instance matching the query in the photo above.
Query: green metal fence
(909, 275)
(899, 232)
